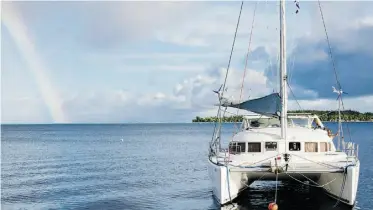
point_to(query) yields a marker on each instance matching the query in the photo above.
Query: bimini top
(269, 105)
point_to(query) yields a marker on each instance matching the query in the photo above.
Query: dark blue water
(139, 166)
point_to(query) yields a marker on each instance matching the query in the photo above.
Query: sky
(132, 62)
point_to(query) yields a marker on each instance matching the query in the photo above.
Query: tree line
(347, 115)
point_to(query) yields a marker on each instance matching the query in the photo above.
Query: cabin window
(271, 146)
(255, 124)
(300, 122)
(237, 147)
(294, 146)
(324, 147)
(254, 147)
(310, 146)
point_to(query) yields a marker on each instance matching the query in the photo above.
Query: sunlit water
(140, 166)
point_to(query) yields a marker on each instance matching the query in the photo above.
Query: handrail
(351, 149)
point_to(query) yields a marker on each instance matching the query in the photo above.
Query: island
(326, 116)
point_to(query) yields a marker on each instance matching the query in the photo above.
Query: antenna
(340, 129)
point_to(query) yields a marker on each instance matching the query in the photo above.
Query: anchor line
(311, 185)
(240, 166)
(320, 163)
(229, 190)
(342, 187)
(265, 173)
(276, 171)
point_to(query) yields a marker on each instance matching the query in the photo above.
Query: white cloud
(307, 23)
(219, 22)
(364, 22)
(192, 96)
(111, 24)
(362, 104)
(163, 68)
(112, 106)
(195, 24)
(198, 89)
(203, 26)
(156, 55)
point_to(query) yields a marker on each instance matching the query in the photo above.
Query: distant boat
(274, 145)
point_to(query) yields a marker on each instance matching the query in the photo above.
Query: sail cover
(268, 105)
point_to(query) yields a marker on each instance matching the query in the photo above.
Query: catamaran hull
(228, 183)
(344, 187)
(225, 185)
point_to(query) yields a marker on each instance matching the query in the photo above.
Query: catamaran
(275, 145)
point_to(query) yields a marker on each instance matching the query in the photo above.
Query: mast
(283, 74)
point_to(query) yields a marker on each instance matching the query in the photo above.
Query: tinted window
(271, 146)
(294, 146)
(253, 147)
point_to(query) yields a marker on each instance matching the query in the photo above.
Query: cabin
(261, 134)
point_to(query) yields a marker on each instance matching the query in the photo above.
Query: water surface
(139, 166)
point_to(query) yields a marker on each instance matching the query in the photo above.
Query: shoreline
(324, 116)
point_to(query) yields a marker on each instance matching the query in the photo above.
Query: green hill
(348, 115)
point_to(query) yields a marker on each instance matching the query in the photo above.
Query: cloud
(102, 25)
(185, 47)
(218, 35)
(203, 30)
(362, 104)
(190, 97)
(112, 107)
(110, 25)
(116, 106)
(164, 68)
(198, 89)
(354, 65)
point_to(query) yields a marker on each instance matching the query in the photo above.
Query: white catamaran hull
(344, 188)
(227, 185)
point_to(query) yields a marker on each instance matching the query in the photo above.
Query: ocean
(141, 166)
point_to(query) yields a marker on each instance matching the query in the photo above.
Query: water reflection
(290, 196)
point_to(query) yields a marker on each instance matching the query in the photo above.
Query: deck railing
(351, 149)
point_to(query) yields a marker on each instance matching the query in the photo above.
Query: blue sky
(93, 61)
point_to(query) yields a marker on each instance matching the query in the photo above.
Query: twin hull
(228, 183)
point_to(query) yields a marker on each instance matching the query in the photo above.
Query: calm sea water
(139, 166)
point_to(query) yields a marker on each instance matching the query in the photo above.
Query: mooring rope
(342, 187)
(320, 163)
(276, 182)
(311, 185)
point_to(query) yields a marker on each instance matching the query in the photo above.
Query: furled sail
(269, 105)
